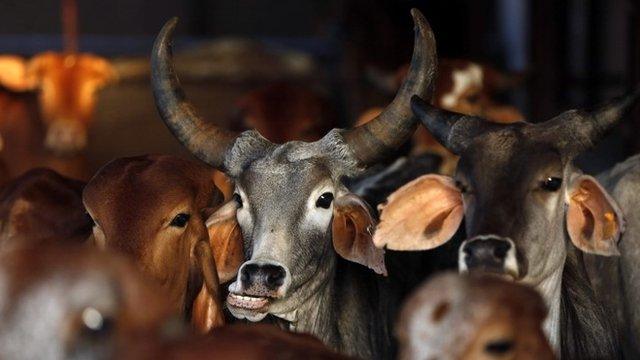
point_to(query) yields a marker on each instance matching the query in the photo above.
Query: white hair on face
(463, 79)
(318, 217)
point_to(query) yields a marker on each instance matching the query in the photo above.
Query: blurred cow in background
(75, 303)
(42, 207)
(464, 87)
(237, 341)
(453, 317)
(35, 131)
(68, 84)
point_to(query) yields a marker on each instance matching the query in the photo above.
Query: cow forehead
(149, 185)
(283, 177)
(510, 154)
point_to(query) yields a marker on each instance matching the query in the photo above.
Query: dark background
(573, 52)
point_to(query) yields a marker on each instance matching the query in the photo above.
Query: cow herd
(344, 245)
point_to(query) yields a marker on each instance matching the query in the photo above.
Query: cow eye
(95, 324)
(238, 199)
(551, 184)
(324, 201)
(461, 186)
(499, 347)
(180, 220)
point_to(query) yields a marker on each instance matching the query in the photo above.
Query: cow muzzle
(490, 254)
(258, 284)
(66, 137)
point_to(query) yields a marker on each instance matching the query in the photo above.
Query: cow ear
(352, 228)
(13, 74)
(206, 312)
(37, 67)
(594, 221)
(103, 71)
(225, 239)
(421, 215)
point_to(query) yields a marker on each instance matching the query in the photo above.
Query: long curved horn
(205, 140)
(394, 126)
(454, 131)
(578, 130)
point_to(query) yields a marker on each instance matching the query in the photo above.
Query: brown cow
(154, 209)
(472, 317)
(74, 302)
(68, 84)
(41, 207)
(463, 86)
(238, 341)
(284, 112)
(281, 112)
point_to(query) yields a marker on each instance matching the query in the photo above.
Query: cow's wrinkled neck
(551, 290)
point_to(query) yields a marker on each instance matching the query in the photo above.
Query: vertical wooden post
(69, 15)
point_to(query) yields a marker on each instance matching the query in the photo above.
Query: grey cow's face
(513, 190)
(285, 213)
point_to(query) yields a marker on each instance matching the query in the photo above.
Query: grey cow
(291, 207)
(527, 209)
(616, 280)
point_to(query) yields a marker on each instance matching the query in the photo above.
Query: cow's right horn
(395, 125)
(205, 140)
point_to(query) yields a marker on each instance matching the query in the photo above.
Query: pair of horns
(573, 131)
(369, 142)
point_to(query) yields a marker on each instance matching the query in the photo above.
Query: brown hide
(238, 341)
(137, 204)
(42, 207)
(74, 302)
(470, 317)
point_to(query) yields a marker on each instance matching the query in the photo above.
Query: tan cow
(237, 341)
(463, 86)
(281, 111)
(74, 302)
(469, 317)
(41, 207)
(68, 84)
(155, 209)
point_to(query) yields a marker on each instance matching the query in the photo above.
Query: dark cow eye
(499, 347)
(324, 201)
(238, 199)
(461, 186)
(95, 324)
(551, 184)
(180, 220)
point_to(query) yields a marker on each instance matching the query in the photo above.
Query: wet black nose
(487, 253)
(271, 276)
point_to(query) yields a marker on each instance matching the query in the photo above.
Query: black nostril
(500, 250)
(248, 272)
(487, 250)
(274, 275)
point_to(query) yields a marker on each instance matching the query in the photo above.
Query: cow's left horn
(578, 130)
(205, 140)
(394, 126)
(454, 131)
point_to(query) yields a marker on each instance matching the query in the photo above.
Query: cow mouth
(248, 302)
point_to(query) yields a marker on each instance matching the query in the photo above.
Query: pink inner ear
(421, 215)
(594, 222)
(351, 231)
